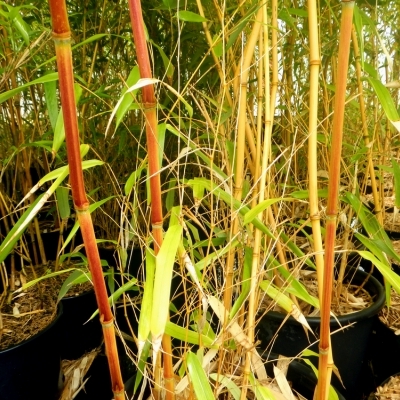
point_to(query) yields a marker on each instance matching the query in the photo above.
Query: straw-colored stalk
(62, 40)
(150, 112)
(315, 217)
(261, 177)
(240, 90)
(333, 194)
(371, 170)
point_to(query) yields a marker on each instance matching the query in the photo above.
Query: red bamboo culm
(62, 40)
(149, 106)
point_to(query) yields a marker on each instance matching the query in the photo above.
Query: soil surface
(25, 313)
(390, 316)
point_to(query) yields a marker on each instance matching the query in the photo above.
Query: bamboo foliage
(238, 172)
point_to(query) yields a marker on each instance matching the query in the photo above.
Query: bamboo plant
(62, 40)
(150, 112)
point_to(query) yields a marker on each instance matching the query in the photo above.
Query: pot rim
(34, 337)
(372, 285)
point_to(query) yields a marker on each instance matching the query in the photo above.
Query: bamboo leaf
(189, 16)
(386, 101)
(45, 78)
(59, 131)
(384, 269)
(146, 306)
(297, 289)
(117, 294)
(188, 336)
(332, 395)
(259, 208)
(224, 381)
(47, 276)
(63, 202)
(92, 207)
(134, 176)
(127, 100)
(50, 91)
(261, 392)
(169, 68)
(162, 283)
(71, 279)
(284, 301)
(396, 173)
(198, 378)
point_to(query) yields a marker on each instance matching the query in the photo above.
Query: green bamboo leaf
(18, 229)
(243, 210)
(332, 395)
(22, 28)
(169, 68)
(59, 131)
(50, 92)
(396, 173)
(63, 202)
(224, 381)
(86, 41)
(367, 219)
(10, 93)
(198, 378)
(127, 100)
(384, 269)
(189, 16)
(284, 302)
(161, 141)
(358, 23)
(117, 294)
(146, 306)
(142, 365)
(198, 152)
(131, 182)
(47, 276)
(188, 336)
(72, 278)
(170, 199)
(162, 283)
(259, 208)
(92, 207)
(261, 392)
(297, 289)
(386, 101)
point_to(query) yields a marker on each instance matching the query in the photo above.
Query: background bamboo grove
(216, 133)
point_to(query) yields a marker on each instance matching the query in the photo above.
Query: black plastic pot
(31, 369)
(384, 352)
(79, 335)
(301, 377)
(349, 345)
(304, 380)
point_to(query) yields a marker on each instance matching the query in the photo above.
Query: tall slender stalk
(333, 194)
(150, 112)
(62, 40)
(240, 88)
